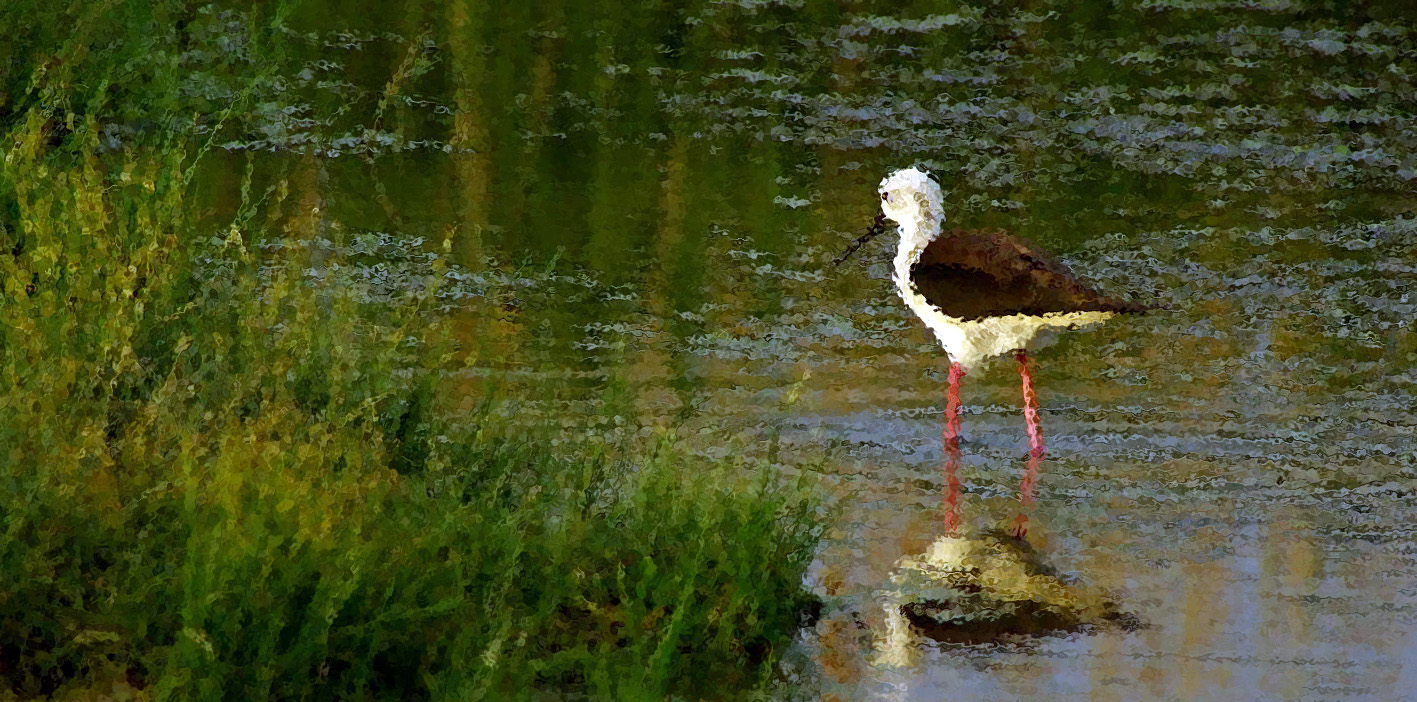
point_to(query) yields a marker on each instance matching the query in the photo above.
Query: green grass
(220, 481)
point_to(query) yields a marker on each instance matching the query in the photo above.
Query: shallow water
(652, 196)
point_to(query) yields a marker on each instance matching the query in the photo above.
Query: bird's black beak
(877, 226)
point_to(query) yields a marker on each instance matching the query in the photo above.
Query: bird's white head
(912, 200)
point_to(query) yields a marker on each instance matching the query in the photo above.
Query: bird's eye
(885, 196)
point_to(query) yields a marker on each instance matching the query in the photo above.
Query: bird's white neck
(915, 234)
(917, 230)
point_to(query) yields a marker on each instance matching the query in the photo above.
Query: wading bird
(983, 293)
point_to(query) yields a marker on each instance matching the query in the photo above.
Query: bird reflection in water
(983, 588)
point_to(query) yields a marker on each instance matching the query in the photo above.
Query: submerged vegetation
(237, 463)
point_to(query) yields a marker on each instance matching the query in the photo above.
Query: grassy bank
(221, 478)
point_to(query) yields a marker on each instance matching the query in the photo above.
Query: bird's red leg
(950, 433)
(1036, 447)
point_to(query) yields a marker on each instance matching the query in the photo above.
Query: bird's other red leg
(1036, 447)
(950, 433)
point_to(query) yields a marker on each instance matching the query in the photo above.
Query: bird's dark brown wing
(973, 274)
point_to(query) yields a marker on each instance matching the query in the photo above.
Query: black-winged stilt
(983, 293)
